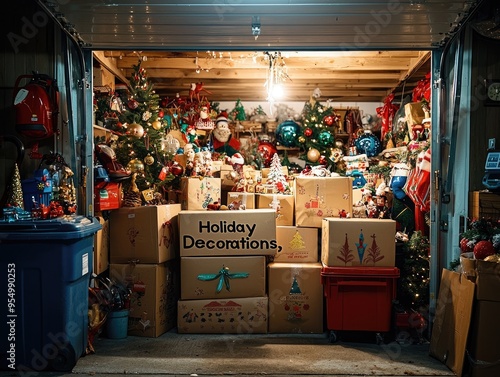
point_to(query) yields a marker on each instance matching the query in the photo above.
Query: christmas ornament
(322, 160)
(161, 113)
(286, 133)
(135, 165)
(483, 249)
(267, 150)
(146, 115)
(313, 155)
(326, 139)
(368, 144)
(466, 246)
(156, 125)
(133, 104)
(135, 130)
(328, 120)
(149, 160)
(308, 132)
(176, 169)
(301, 139)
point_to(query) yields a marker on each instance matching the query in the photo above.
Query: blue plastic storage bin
(47, 266)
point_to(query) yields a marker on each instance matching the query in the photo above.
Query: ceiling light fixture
(276, 76)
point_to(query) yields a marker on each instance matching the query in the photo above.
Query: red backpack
(37, 106)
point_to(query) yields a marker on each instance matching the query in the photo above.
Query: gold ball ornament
(313, 155)
(156, 125)
(135, 130)
(135, 165)
(301, 139)
(149, 160)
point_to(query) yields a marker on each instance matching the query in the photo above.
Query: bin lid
(66, 227)
(371, 272)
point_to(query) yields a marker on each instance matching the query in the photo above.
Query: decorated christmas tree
(317, 134)
(238, 113)
(140, 147)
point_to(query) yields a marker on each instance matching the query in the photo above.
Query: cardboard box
(483, 340)
(153, 301)
(223, 277)
(296, 244)
(198, 192)
(484, 204)
(485, 274)
(295, 298)
(226, 233)
(320, 197)
(240, 200)
(148, 234)
(229, 316)
(283, 205)
(358, 242)
(452, 320)
(101, 247)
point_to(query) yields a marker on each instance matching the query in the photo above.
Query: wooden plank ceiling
(375, 45)
(356, 76)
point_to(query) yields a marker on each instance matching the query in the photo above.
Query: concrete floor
(174, 354)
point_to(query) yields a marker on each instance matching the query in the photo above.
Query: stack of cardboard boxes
(144, 248)
(255, 270)
(223, 270)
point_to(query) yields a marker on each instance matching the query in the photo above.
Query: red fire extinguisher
(37, 106)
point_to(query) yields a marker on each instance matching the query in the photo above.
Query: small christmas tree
(238, 113)
(276, 177)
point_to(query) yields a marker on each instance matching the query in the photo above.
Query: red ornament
(176, 169)
(483, 249)
(464, 248)
(267, 150)
(133, 104)
(161, 114)
(322, 160)
(308, 132)
(328, 120)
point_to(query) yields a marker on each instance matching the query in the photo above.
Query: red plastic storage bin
(359, 298)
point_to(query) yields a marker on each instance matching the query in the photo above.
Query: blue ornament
(368, 144)
(286, 133)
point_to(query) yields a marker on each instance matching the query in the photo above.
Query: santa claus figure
(222, 138)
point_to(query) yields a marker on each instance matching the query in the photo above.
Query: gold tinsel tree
(15, 191)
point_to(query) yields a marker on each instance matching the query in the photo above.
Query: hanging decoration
(276, 76)
(386, 113)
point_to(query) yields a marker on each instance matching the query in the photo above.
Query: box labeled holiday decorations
(296, 244)
(319, 197)
(227, 316)
(148, 234)
(223, 277)
(198, 192)
(226, 233)
(358, 242)
(295, 298)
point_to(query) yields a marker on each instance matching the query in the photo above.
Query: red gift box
(107, 195)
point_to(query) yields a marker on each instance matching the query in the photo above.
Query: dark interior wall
(27, 46)
(484, 120)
